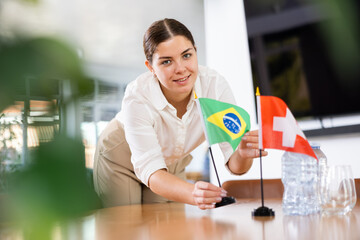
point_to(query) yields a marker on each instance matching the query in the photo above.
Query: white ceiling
(107, 32)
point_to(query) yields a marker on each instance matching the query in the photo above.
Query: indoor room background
(286, 47)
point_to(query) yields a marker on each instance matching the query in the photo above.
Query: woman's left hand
(241, 161)
(249, 146)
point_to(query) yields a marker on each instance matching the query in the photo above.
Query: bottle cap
(315, 145)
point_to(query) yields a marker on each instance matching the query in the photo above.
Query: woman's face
(175, 65)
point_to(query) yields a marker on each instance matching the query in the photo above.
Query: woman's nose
(180, 67)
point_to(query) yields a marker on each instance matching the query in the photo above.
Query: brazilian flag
(224, 122)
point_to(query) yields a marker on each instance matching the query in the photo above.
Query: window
(97, 110)
(31, 120)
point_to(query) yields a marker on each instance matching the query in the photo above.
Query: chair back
(273, 188)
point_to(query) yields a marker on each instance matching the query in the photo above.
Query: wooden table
(180, 221)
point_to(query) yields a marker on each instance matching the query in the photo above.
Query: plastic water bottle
(300, 180)
(322, 159)
(322, 163)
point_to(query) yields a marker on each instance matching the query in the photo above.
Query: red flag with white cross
(278, 128)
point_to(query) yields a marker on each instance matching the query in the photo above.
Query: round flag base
(225, 201)
(263, 212)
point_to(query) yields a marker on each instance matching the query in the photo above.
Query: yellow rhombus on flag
(224, 122)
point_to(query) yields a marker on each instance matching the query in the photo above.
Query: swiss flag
(279, 129)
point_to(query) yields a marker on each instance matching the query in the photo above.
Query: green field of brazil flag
(224, 122)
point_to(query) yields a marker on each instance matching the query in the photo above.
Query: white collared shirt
(156, 136)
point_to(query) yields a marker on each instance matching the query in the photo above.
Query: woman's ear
(148, 65)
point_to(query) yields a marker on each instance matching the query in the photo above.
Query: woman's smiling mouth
(182, 79)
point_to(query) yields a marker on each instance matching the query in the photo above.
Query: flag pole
(224, 200)
(260, 144)
(213, 162)
(261, 181)
(206, 136)
(261, 211)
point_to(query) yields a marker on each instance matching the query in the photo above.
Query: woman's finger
(252, 145)
(253, 153)
(208, 194)
(207, 186)
(206, 206)
(256, 153)
(252, 133)
(251, 138)
(208, 200)
(264, 153)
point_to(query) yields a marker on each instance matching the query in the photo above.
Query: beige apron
(114, 179)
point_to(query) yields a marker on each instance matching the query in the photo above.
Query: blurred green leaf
(53, 188)
(342, 35)
(32, 1)
(40, 59)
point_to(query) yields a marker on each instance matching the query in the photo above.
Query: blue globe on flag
(232, 123)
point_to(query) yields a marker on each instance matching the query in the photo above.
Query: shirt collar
(157, 96)
(159, 99)
(197, 88)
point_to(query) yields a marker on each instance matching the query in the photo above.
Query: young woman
(142, 154)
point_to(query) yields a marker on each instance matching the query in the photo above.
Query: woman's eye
(187, 55)
(166, 62)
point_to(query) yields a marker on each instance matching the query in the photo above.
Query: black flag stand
(224, 200)
(262, 211)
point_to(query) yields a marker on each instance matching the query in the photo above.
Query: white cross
(289, 127)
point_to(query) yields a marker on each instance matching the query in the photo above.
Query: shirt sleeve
(146, 153)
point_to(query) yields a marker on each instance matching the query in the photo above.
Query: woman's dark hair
(161, 31)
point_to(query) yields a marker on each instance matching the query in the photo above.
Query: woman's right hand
(206, 195)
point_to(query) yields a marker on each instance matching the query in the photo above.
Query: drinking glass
(351, 180)
(337, 190)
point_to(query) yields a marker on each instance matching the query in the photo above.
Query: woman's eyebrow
(186, 50)
(165, 57)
